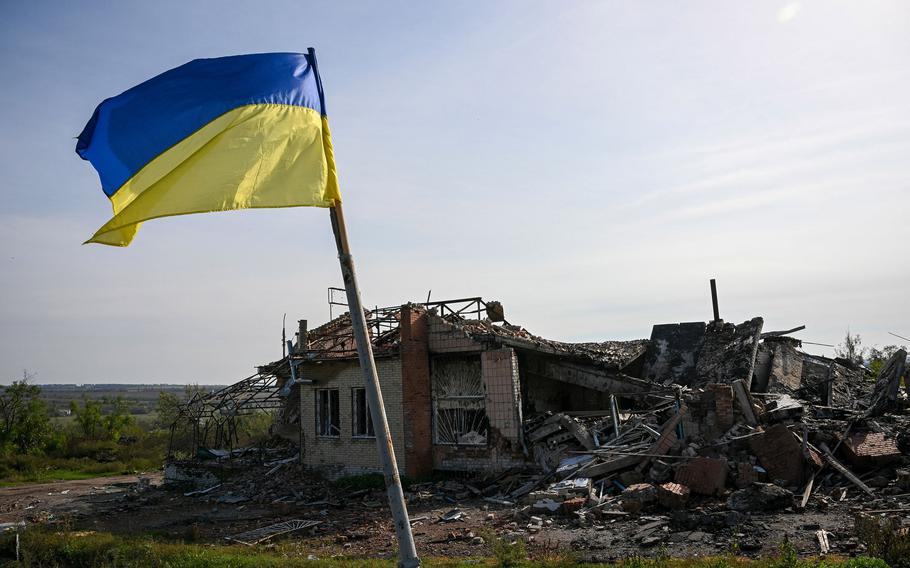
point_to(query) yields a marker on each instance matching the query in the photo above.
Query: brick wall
(500, 377)
(346, 455)
(415, 379)
(499, 368)
(710, 412)
(446, 338)
(467, 458)
(723, 405)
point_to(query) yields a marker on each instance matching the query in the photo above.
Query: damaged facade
(456, 387)
(698, 404)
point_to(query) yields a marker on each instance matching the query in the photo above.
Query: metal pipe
(407, 551)
(291, 363)
(714, 300)
(614, 410)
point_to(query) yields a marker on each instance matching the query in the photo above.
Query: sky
(589, 164)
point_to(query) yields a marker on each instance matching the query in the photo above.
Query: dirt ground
(358, 524)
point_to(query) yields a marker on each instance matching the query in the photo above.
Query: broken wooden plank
(668, 436)
(609, 466)
(745, 403)
(842, 469)
(807, 491)
(823, 546)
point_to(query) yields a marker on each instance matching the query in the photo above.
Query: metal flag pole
(407, 552)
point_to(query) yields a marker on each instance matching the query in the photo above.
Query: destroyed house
(587, 429)
(694, 411)
(457, 380)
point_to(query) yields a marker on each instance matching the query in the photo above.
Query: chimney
(302, 342)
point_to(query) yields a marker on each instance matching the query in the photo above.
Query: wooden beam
(745, 403)
(846, 472)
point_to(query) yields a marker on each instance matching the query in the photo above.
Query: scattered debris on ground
(706, 437)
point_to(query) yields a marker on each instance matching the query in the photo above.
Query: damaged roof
(609, 354)
(335, 339)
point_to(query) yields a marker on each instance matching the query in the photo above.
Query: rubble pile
(706, 433)
(755, 426)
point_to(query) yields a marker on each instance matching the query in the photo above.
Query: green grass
(51, 475)
(44, 469)
(76, 458)
(41, 547)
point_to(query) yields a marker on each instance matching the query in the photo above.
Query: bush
(95, 450)
(865, 562)
(884, 539)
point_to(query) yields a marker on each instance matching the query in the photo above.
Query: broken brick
(780, 453)
(867, 449)
(746, 474)
(673, 496)
(704, 476)
(569, 506)
(637, 497)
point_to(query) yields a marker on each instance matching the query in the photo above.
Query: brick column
(503, 404)
(723, 405)
(415, 384)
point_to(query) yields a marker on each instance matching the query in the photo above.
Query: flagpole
(407, 552)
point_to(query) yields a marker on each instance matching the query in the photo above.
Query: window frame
(439, 402)
(334, 418)
(370, 433)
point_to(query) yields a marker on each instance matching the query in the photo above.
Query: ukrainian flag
(241, 132)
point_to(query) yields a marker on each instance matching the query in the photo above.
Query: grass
(16, 470)
(64, 474)
(43, 548)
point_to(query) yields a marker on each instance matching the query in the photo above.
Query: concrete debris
(710, 424)
(760, 497)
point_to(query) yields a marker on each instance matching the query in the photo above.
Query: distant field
(144, 420)
(142, 398)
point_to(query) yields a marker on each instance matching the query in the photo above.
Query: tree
(878, 357)
(88, 417)
(167, 410)
(851, 348)
(118, 420)
(24, 423)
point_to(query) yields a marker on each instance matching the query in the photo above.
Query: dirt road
(40, 502)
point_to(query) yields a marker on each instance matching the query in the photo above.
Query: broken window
(459, 410)
(327, 422)
(361, 421)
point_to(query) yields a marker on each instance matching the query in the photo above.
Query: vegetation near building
(24, 422)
